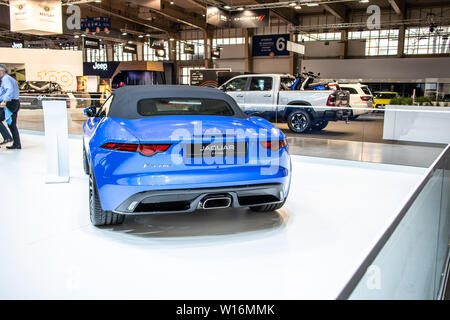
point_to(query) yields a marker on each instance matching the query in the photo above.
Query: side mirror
(222, 88)
(90, 112)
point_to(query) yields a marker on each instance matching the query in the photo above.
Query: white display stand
(57, 141)
(423, 124)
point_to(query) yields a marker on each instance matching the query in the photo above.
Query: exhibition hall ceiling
(165, 19)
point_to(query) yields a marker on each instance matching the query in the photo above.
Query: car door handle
(267, 95)
(240, 95)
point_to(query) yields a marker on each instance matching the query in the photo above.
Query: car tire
(319, 125)
(299, 121)
(85, 162)
(100, 217)
(268, 207)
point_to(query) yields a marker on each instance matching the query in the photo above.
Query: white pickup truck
(269, 96)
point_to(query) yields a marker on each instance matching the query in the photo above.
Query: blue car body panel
(119, 174)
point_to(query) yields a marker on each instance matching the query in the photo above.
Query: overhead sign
(91, 43)
(97, 24)
(217, 17)
(295, 47)
(130, 48)
(250, 18)
(36, 17)
(156, 43)
(270, 45)
(105, 70)
(17, 44)
(161, 53)
(215, 53)
(188, 48)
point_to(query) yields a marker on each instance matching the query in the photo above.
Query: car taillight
(274, 145)
(151, 149)
(331, 100)
(365, 98)
(144, 149)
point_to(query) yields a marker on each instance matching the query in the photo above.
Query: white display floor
(336, 212)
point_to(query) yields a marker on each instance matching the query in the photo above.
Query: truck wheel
(299, 121)
(319, 125)
(100, 217)
(268, 207)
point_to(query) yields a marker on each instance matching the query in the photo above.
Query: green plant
(423, 100)
(401, 101)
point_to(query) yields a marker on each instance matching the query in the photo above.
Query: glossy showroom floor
(359, 140)
(309, 249)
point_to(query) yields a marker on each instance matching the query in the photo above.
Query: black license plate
(207, 150)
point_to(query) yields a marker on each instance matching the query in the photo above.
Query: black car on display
(33, 92)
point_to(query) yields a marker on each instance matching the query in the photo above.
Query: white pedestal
(417, 124)
(57, 141)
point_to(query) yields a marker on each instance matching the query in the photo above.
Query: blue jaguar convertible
(178, 149)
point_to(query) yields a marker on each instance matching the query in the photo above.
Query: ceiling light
(124, 33)
(298, 7)
(364, 1)
(83, 35)
(76, 36)
(140, 36)
(240, 9)
(227, 7)
(171, 2)
(312, 4)
(292, 4)
(171, 39)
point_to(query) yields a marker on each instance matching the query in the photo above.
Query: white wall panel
(61, 66)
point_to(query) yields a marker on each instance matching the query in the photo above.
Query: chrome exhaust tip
(216, 202)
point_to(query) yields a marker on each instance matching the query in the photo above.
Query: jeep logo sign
(104, 70)
(100, 66)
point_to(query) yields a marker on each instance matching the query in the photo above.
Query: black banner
(215, 53)
(250, 18)
(130, 48)
(18, 44)
(104, 70)
(204, 78)
(91, 43)
(188, 48)
(156, 43)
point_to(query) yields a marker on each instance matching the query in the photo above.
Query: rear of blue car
(181, 163)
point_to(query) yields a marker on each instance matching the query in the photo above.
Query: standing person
(9, 99)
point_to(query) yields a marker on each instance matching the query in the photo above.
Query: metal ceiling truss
(275, 5)
(362, 25)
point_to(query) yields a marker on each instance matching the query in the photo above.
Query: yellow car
(383, 98)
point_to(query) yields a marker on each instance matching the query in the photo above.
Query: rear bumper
(189, 200)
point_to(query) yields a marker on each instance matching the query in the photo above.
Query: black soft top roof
(126, 98)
